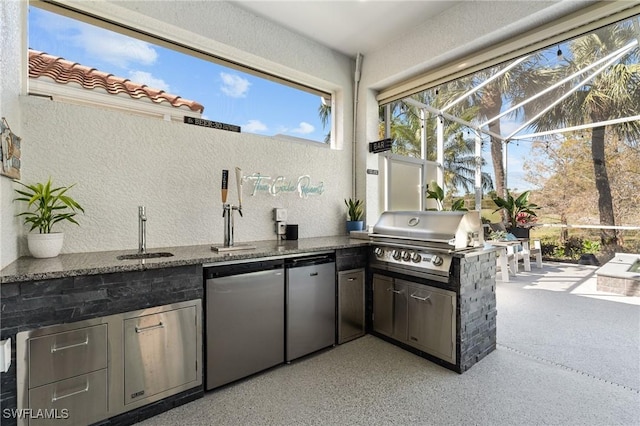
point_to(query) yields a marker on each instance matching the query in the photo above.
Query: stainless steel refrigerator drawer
(160, 353)
(67, 354)
(77, 401)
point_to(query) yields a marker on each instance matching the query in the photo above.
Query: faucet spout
(142, 230)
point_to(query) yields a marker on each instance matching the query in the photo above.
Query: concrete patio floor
(556, 314)
(566, 355)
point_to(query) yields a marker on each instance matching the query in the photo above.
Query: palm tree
(613, 94)
(324, 111)
(488, 101)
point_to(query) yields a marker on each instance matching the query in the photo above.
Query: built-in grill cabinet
(420, 316)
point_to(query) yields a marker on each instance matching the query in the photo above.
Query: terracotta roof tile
(62, 71)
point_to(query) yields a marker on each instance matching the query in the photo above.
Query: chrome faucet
(142, 230)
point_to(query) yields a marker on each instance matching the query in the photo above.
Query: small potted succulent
(46, 206)
(355, 213)
(520, 213)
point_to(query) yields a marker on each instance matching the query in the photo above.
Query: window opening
(153, 74)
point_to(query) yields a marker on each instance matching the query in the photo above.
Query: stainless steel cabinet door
(160, 352)
(383, 304)
(350, 305)
(432, 321)
(400, 315)
(390, 307)
(311, 309)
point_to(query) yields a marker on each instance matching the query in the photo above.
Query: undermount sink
(137, 256)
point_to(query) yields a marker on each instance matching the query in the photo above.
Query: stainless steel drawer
(77, 401)
(63, 355)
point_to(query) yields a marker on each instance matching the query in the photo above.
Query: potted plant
(355, 212)
(46, 207)
(520, 213)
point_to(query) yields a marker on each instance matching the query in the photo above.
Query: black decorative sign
(212, 124)
(380, 146)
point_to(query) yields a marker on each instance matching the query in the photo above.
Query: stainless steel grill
(422, 243)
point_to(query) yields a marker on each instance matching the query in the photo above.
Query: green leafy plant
(52, 205)
(517, 208)
(355, 209)
(437, 193)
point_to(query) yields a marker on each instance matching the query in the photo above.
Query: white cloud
(98, 43)
(254, 126)
(148, 79)
(303, 128)
(234, 85)
(116, 49)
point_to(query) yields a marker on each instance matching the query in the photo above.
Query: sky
(229, 96)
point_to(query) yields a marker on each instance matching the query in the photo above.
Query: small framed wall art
(9, 151)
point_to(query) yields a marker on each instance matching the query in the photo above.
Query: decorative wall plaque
(9, 151)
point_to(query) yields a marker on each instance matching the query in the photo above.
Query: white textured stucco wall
(10, 64)
(120, 161)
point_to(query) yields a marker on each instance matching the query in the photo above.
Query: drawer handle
(395, 291)
(151, 327)
(422, 299)
(351, 279)
(313, 274)
(55, 348)
(58, 398)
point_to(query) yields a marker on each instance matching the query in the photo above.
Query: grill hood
(455, 228)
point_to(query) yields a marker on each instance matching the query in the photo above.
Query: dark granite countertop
(74, 264)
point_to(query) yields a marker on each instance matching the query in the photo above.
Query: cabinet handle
(351, 279)
(58, 398)
(313, 274)
(151, 327)
(423, 299)
(55, 348)
(395, 291)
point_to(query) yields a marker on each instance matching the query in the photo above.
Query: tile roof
(62, 71)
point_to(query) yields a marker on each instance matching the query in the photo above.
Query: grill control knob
(396, 254)
(415, 257)
(436, 260)
(406, 256)
(378, 252)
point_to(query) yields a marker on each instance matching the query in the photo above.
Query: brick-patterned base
(624, 286)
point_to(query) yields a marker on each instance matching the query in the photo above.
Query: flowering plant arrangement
(524, 219)
(514, 207)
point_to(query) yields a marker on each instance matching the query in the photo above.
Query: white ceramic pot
(45, 245)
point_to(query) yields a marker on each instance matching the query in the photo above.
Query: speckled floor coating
(543, 372)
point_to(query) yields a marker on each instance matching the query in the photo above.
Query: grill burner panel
(435, 262)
